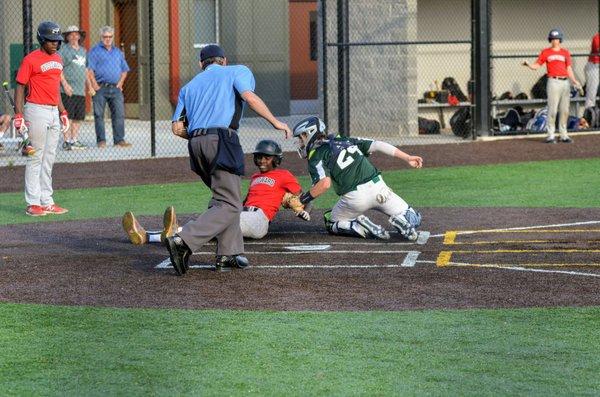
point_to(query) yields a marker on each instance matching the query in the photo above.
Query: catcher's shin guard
(406, 229)
(413, 217)
(374, 230)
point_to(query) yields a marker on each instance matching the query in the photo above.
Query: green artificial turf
(565, 183)
(53, 350)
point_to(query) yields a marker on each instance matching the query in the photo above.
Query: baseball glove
(292, 202)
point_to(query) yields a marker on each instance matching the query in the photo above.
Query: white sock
(154, 237)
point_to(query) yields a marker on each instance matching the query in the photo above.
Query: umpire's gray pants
(44, 132)
(559, 99)
(222, 219)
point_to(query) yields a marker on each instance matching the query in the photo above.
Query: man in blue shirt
(208, 114)
(107, 71)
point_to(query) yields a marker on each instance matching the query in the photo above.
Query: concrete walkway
(138, 133)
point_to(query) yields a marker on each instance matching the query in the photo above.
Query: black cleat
(226, 263)
(566, 140)
(179, 253)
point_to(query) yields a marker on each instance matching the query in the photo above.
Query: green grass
(565, 183)
(99, 351)
(53, 350)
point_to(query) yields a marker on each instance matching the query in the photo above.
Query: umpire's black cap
(211, 51)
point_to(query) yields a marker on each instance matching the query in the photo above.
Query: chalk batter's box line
(450, 236)
(444, 258)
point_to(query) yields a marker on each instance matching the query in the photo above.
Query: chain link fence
(394, 70)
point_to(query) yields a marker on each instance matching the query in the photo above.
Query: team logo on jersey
(265, 180)
(51, 65)
(558, 57)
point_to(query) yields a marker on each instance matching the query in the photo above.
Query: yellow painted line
(449, 237)
(523, 242)
(523, 264)
(443, 258)
(505, 251)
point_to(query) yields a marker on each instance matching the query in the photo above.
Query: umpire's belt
(250, 208)
(203, 131)
(107, 85)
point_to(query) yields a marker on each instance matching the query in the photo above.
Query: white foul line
(526, 269)
(519, 228)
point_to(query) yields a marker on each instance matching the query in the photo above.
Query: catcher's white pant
(370, 195)
(254, 224)
(44, 132)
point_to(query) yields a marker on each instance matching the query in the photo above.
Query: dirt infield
(473, 257)
(92, 263)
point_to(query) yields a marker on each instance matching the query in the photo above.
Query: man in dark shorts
(74, 82)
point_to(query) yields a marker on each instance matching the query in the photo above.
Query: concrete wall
(383, 79)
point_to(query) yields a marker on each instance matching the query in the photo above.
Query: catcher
(343, 162)
(269, 189)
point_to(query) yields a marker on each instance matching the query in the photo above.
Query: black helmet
(314, 128)
(270, 148)
(49, 31)
(556, 33)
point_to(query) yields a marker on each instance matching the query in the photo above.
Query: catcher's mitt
(292, 202)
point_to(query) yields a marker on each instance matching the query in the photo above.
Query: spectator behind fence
(559, 72)
(107, 72)
(592, 79)
(74, 81)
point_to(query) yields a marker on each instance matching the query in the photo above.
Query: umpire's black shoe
(225, 263)
(179, 253)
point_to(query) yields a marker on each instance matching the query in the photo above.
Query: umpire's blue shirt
(212, 99)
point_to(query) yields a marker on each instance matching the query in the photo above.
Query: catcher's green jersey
(344, 160)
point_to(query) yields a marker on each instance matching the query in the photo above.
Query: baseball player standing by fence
(40, 70)
(558, 63)
(212, 105)
(269, 189)
(343, 162)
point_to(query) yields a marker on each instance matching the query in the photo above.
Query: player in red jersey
(265, 196)
(559, 72)
(44, 112)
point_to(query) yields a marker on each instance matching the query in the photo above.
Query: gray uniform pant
(222, 219)
(592, 79)
(559, 97)
(44, 132)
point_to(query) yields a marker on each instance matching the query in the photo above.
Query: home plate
(319, 247)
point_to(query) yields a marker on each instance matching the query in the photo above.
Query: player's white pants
(591, 83)
(44, 132)
(370, 195)
(254, 224)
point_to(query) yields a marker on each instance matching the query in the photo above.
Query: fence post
(481, 41)
(151, 64)
(324, 60)
(343, 38)
(27, 28)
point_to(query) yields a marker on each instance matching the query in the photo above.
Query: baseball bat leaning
(24, 133)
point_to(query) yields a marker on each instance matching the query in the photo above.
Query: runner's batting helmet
(555, 34)
(49, 31)
(269, 148)
(314, 128)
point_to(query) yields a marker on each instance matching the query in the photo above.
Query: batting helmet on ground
(49, 31)
(269, 148)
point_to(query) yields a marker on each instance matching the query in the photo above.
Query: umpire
(208, 113)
